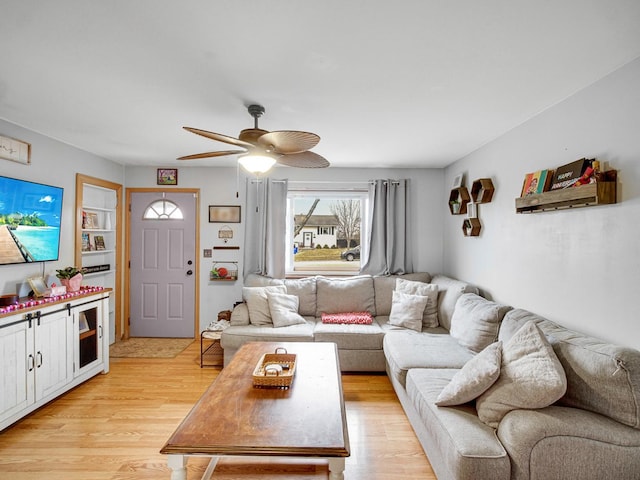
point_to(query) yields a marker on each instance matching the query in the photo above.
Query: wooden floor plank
(113, 426)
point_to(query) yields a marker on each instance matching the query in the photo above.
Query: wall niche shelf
(459, 196)
(471, 227)
(482, 190)
(600, 193)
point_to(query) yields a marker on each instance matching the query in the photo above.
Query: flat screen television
(30, 215)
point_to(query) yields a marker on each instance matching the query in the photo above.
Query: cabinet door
(17, 367)
(88, 332)
(53, 353)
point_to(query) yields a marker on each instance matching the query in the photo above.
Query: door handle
(189, 272)
(31, 362)
(39, 359)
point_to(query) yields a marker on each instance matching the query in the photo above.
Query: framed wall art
(457, 181)
(167, 176)
(224, 214)
(38, 285)
(15, 150)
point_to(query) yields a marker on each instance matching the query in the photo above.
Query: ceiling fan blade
(289, 141)
(219, 137)
(303, 160)
(211, 154)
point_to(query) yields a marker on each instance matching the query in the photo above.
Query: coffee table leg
(178, 466)
(336, 468)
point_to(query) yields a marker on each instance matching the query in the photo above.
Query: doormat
(143, 347)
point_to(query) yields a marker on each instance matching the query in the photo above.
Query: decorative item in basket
(275, 370)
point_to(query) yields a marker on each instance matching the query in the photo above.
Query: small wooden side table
(213, 354)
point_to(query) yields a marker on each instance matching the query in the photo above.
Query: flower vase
(73, 283)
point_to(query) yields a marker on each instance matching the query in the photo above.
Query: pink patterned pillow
(352, 318)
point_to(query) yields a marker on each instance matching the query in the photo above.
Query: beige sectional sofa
(589, 430)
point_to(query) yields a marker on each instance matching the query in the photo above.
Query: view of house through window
(324, 231)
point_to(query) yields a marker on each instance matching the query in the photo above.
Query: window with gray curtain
(265, 232)
(389, 233)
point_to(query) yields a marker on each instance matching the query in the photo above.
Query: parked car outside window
(351, 254)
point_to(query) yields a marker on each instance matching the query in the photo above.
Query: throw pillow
(407, 310)
(476, 320)
(240, 316)
(337, 295)
(349, 318)
(257, 303)
(474, 378)
(430, 315)
(284, 309)
(531, 376)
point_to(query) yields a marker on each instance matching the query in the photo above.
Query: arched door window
(163, 210)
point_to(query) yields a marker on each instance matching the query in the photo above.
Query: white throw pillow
(474, 378)
(256, 298)
(284, 309)
(407, 310)
(240, 315)
(430, 315)
(476, 321)
(531, 376)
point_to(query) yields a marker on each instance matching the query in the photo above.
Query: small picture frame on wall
(457, 181)
(167, 176)
(224, 214)
(15, 150)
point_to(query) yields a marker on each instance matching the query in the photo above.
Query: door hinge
(129, 321)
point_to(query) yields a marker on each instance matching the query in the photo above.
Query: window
(163, 210)
(324, 230)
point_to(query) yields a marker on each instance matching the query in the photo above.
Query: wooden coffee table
(232, 418)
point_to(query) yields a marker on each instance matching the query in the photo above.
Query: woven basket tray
(264, 377)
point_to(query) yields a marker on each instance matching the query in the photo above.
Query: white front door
(163, 264)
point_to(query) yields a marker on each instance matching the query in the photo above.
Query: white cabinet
(98, 232)
(43, 353)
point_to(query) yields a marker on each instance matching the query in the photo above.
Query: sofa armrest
(564, 442)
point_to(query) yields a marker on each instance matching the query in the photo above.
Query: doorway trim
(127, 243)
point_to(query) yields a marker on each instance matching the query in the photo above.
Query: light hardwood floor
(112, 427)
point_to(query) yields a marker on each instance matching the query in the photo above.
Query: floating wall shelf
(482, 190)
(600, 193)
(461, 197)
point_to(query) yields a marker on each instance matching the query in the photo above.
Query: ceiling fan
(259, 149)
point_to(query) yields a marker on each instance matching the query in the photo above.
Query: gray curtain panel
(387, 242)
(265, 232)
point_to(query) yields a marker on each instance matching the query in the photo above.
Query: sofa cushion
(468, 447)
(476, 321)
(350, 337)
(601, 377)
(257, 280)
(305, 290)
(407, 310)
(234, 337)
(284, 309)
(472, 380)
(339, 295)
(433, 348)
(430, 314)
(240, 315)
(384, 285)
(449, 290)
(257, 303)
(531, 376)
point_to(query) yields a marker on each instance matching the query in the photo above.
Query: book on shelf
(90, 220)
(99, 242)
(566, 175)
(86, 242)
(536, 182)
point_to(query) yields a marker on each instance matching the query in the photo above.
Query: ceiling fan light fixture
(256, 163)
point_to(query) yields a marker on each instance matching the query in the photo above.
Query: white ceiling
(384, 83)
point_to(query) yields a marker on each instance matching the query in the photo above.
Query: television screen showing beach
(30, 215)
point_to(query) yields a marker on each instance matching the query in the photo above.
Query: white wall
(580, 268)
(218, 187)
(52, 163)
